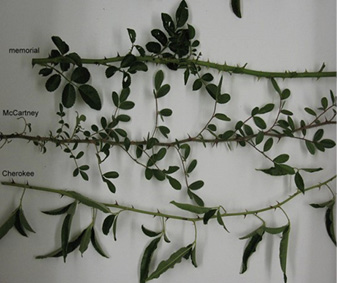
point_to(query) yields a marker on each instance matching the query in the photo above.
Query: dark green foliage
(236, 6)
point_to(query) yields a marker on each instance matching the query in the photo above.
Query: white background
(272, 35)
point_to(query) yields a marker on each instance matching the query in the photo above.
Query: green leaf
(85, 239)
(96, 244)
(139, 150)
(329, 223)
(80, 75)
(75, 58)
(250, 249)
(182, 14)
(285, 94)
(110, 71)
(324, 103)
(259, 122)
(220, 220)
(196, 185)
(128, 60)
(90, 96)
(192, 166)
(126, 80)
(282, 158)
(146, 259)
(158, 79)
(164, 131)
(65, 233)
(275, 230)
(310, 146)
(275, 85)
(208, 215)
(168, 23)
(165, 112)
(318, 135)
(58, 211)
(174, 183)
(88, 201)
(45, 71)
(284, 251)
(310, 111)
(191, 207)
(222, 117)
(60, 44)
(150, 233)
(197, 84)
(132, 35)
(9, 224)
(311, 170)
(279, 170)
(137, 66)
(327, 143)
(175, 258)
(160, 36)
(227, 135)
(68, 95)
(268, 144)
(107, 223)
(72, 245)
(127, 105)
(53, 82)
(111, 175)
(163, 90)
(259, 137)
(236, 7)
(299, 182)
(212, 90)
(198, 200)
(24, 222)
(267, 108)
(153, 47)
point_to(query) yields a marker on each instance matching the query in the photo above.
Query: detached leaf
(90, 96)
(146, 259)
(175, 258)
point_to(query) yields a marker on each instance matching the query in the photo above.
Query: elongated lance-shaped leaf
(65, 231)
(96, 244)
(236, 6)
(192, 208)
(255, 239)
(146, 259)
(175, 258)
(85, 239)
(72, 245)
(329, 223)
(58, 211)
(284, 251)
(89, 202)
(9, 224)
(24, 222)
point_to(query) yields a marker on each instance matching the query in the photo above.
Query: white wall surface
(272, 36)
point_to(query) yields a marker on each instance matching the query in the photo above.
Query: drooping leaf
(149, 232)
(8, 224)
(97, 245)
(175, 258)
(220, 220)
(90, 96)
(299, 182)
(24, 222)
(107, 223)
(198, 200)
(276, 86)
(310, 146)
(85, 239)
(250, 249)
(330, 223)
(236, 6)
(88, 201)
(146, 259)
(58, 211)
(208, 215)
(110, 71)
(284, 251)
